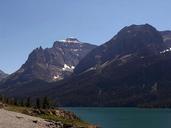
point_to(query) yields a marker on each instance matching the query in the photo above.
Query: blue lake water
(125, 117)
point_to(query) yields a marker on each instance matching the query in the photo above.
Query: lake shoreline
(130, 117)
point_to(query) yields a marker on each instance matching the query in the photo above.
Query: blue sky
(27, 24)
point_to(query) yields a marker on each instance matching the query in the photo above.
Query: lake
(125, 117)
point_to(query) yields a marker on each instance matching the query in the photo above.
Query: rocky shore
(17, 117)
(10, 119)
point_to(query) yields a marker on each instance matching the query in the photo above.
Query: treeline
(39, 103)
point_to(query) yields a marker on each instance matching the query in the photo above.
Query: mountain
(132, 69)
(51, 64)
(141, 40)
(2, 75)
(166, 37)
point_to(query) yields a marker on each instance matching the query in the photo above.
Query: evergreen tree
(46, 103)
(1, 98)
(28, 102)
(12, 101)
(15, 102)
(7, 100)
(38, 103)
(21, 102)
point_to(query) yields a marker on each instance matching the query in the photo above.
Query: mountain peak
(70, 40)
(140, 26)
(145, 28)
(138, 38)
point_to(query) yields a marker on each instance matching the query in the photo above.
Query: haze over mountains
(131, 69)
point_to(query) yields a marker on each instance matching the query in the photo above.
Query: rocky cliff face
(52, 64)
(57, 62)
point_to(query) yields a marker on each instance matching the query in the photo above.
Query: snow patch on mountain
(56, 77)
(166, 50)
(70, 40)
(68, 68)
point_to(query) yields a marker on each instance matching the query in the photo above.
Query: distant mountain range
(2, 75)
(131, 69)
